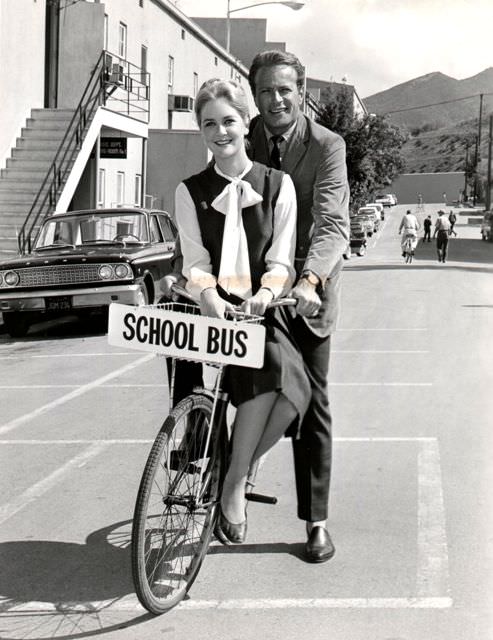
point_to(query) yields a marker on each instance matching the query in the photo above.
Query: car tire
(143, 296)
(16, 323)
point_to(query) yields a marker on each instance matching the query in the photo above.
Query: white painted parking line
(43, 486)
(383, 329)
(432, 565)
(17, 422)
(377, 351)
(130, 603)
(379, 384)
(23, 356)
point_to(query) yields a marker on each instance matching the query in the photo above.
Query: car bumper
(79, 298)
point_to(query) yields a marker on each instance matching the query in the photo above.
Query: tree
(373, 146)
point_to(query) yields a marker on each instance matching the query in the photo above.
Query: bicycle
(407, 249)
(179, 493)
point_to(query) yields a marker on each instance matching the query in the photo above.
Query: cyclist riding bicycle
(410, 226)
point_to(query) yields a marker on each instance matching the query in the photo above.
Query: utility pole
(466, 169)
(478, 149)
(489, 177)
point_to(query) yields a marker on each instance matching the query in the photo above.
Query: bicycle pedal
(258, 497)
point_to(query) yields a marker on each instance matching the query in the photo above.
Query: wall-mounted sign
(113, 148)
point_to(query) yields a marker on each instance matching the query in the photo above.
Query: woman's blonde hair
(229, 90)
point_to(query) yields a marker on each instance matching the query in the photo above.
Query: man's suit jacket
(315, 158)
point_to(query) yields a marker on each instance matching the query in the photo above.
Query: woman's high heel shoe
(229, 533)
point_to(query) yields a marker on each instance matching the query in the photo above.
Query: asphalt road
(411, 505)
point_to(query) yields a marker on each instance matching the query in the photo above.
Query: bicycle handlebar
(280, 302)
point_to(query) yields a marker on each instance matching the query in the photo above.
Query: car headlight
(11, 278)
(1, 278)
(105, 272)
(123, 271)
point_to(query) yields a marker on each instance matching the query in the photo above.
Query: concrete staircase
(26, 170)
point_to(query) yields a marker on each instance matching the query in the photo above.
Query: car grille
(58, 274)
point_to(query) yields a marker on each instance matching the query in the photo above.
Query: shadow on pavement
(462, 254)
(66, 589)
(292, 549)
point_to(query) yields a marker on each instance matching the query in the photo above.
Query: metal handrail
(94, 95)
(45, 199)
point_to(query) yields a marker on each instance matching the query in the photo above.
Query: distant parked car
(374, 214)
(379, 206)
(386, 199)
(359, 235)
(84, 260)
(487, 226)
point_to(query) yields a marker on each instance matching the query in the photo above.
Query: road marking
(432, 564)
(150, 440)
(43, 486)
(6, 387)
(17, 422)
(130, 603)
(379, 384)
(22, 356)
(386, 351)
(383, 329)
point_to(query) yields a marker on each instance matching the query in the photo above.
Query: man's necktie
(275, 155)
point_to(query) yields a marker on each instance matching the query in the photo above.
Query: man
(410, 226)
(282, 137)
(442, 230)
(452, 219)
(427, 227)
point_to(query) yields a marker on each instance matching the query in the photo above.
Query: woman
(237, 225)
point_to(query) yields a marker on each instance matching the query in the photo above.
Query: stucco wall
(81, 43)
(172, 156)
(22, 64)
(432, 186)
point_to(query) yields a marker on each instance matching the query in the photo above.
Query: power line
(435, 104)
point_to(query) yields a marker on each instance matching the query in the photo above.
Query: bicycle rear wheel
(176, 504)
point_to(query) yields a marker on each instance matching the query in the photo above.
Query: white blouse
(197, 268)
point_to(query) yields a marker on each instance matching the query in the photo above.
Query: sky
(375, 44)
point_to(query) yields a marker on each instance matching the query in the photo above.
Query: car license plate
(58, 303)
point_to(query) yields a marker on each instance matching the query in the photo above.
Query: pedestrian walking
(442, 228)
(427, 228)
(452, 219)
(420, 202)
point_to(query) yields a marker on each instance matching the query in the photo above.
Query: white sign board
(184, 335)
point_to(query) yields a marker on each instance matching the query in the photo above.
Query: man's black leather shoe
(319, 547)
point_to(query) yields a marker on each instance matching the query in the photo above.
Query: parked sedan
(373, 213)
(359, 235)
(84, 260)
(387, 199)
(379, 207)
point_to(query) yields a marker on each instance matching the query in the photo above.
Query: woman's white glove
(258, 303)
(212, 305)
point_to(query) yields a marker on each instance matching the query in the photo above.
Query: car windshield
(93, 228)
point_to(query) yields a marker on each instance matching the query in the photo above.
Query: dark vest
(258, 220)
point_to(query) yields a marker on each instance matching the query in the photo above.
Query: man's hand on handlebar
(258, 303)
(308, 299)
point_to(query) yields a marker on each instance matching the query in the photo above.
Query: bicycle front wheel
(176, 504)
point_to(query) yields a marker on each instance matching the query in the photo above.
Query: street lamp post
(292, 5)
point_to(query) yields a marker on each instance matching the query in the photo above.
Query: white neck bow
(234, 271)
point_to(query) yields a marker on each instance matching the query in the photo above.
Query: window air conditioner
(117, 74)
(180, 103)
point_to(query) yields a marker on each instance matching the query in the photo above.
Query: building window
(101, 187)
(143, 64)
(138, 190)
(106, 31)
(122, 40)
(195, 84)
(183, 34)
(141, 3)
(120, 187)
(171, 71)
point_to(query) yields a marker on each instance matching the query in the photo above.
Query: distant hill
(442, 135)
(430, 89)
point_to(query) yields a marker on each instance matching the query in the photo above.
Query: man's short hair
(274, 58)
